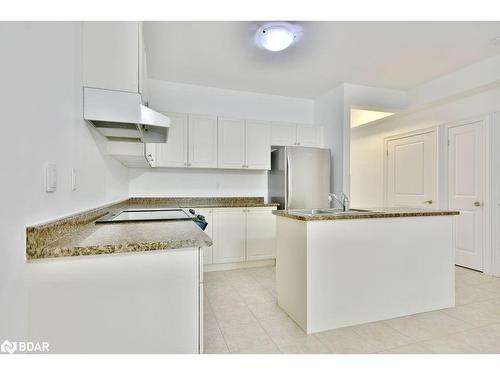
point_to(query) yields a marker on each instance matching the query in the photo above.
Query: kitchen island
(336, 269)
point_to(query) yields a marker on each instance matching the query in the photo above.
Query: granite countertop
(200, 202)
(371, 213)
(95, 239)
(78, 235)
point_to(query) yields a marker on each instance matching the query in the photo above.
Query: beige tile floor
(241, 316)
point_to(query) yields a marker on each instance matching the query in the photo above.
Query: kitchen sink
(328, 211)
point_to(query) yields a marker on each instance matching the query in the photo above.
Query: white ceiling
(397, 55)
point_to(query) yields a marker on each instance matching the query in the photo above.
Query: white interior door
(465, 191)
(411, 171)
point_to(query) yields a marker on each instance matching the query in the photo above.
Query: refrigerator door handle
(288, 182)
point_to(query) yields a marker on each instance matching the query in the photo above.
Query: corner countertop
(96, 239)
(370, 213)
(78, 235)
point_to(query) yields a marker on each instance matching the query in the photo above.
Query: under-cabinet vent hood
(120, 116)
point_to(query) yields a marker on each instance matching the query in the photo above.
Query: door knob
(478, 204)
(428, 202)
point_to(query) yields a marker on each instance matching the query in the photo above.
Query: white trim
(494, 194)
(486, 191)
(238, 265)
(412, 133)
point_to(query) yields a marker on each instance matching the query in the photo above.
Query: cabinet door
(261, 233)
(283, 134)
(229, 235)
(231, 143)
(202, 141)
(209, 230)
(258, 145)
(174, 152)
(111, 55)
(308, 136)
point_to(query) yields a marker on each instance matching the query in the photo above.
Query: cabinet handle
(478, 204)
(429, 201)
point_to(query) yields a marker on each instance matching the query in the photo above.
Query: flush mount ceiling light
(277, 36)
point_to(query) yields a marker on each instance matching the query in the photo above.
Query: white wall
(333, 111)
(367, 143)
(178, 97)
(179, 182)
(41, 106)
(329, 113)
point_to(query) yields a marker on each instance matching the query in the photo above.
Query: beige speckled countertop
(77, 235)
(92, 239)
(371, 213)
(200, 202)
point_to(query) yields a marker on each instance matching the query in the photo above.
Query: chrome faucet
(343, 200)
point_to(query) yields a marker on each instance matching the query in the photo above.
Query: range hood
(120, 116)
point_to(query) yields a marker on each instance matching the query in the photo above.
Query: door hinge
(448, 143)
(387, 152)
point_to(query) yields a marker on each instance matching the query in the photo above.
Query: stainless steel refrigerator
(299, 177)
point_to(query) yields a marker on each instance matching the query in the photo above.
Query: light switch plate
(73, 179)
(50, 177)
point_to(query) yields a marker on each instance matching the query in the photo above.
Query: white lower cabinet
(134, 303)
(261, 233)
(241, 234)
(229, 235)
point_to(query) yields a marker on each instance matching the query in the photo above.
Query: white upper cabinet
(244, 144)
(174, 153)
(283, 134)
(231, 143)
(111, 55)
(192, 142)
(308, 136)
(202, 141)
(258, 145)
(286, 134)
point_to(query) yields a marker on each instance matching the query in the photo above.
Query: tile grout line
(218, 326)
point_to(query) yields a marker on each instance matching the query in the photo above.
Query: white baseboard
(234, 266)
